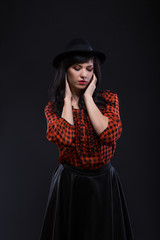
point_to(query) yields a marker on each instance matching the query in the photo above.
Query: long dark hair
(56, 91)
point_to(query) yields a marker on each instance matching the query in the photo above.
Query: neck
(76, 93)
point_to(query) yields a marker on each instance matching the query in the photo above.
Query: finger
(94, 78)
(67, 84)
(66, 79)
(65, 76)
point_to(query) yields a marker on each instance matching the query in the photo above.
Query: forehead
(90, 62)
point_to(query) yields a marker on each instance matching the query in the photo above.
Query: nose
(83, 73)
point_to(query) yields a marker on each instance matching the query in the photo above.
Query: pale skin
(73, 90)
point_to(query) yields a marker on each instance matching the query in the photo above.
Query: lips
(82, 82)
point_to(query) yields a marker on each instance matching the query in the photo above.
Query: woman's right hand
(68, 93)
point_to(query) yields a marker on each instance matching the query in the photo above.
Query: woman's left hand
(91, 87)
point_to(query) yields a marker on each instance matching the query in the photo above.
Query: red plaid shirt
(79, 144)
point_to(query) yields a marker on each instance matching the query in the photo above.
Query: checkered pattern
(79, 144)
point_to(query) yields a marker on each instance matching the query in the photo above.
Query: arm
(98, 120)
(114, 129)
(67, 113)
(111, 130)
(108, 126)
(59, 130)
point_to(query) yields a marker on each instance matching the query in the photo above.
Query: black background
(32, 33)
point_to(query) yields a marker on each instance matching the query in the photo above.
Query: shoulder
(49, 107)
(109, 94)
(49, 104)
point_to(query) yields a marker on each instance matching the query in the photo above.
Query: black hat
(75, 46)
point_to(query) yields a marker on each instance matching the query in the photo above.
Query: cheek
(90, 76)
(69, 75)
(72, 76)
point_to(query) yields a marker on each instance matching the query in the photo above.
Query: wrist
(86, 96)
(67, 99)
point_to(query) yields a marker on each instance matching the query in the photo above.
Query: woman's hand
(68, 93)
(67, 107)
(91, 87)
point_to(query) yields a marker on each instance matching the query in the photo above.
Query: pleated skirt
(86, 204)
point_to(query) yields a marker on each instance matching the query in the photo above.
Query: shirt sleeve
(59, 131)
(114, 129)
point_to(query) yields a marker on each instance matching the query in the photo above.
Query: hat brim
(56, 61)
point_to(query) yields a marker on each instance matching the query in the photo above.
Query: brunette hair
(56, 91)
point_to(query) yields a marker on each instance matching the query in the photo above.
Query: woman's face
(80, 74)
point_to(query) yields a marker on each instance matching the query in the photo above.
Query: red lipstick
(82, 82)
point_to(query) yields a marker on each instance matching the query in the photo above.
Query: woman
(86, 200)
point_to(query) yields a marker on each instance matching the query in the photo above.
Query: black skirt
(86, 204)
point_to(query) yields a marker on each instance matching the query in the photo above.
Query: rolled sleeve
(114, 129)
(59, 131)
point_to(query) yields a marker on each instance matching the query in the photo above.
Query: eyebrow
(81, 65)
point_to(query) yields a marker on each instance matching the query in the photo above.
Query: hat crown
(78, 44)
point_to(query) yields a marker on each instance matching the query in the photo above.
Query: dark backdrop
(32, 33)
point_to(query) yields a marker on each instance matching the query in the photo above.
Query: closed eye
(90, 70)
(77, 69)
